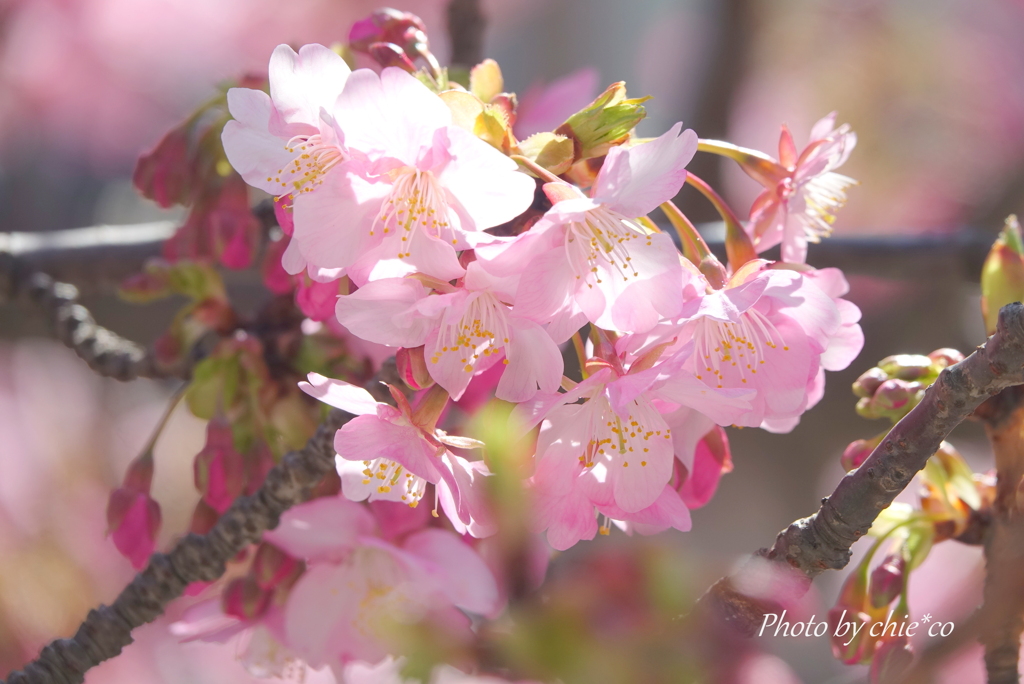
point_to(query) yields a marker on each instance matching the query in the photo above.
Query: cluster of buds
(864, 627)
(208, 311)
(896, 385)
(394, 39)
(891, 390)
(188, 167)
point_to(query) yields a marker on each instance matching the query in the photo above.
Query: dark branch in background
(822, 541)
(97, 259)
(195, 558)
(105, 351)
(466, 24)
(722, 79)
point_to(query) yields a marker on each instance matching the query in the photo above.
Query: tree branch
(466, 23)
(194, 558)
(822, 541)
(105, 351)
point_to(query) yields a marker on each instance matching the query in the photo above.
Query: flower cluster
(389, 187)
(415, 222)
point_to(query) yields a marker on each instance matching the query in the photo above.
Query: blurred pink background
(935, 91)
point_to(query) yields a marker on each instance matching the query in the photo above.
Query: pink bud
(390, 55)
(272, 565)
(848, 630)
(557, 192)
(387, 26)
(946, 357)
(139, 476)
(887, 580)
(231, 228)
(244, 599)
(856, 453)
(412, 368)
(892, 658)
(133, 520)
(711, 460)
(276, 279)
(893, 395)
(869, 381)
(283, 214)
(203, 518)
(219, 470)
(163, 173)
(317, 300)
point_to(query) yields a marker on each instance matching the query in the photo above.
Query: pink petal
(340, 394)
(365, 438)
(487, 184)
(322, 606)
(324, 529)
(301, 84)
(253, 151)
(534, 363)
(385, 312)
(634, 181)
(458, 570)
(333, 223)
(639, 303)
(391, 115)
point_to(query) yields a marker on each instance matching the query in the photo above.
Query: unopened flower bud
(848, 630)
(906, 366)
(244, 599)
(391, 55)
(605, 122)
(204, 517)
(893, 395)
(387, 25)
(412, 368)
(163, 173)
(887, 580)
(891, 659)
(219, 470)
(430, 406)
(868, 382)
(271, 566)
(945, 357)
(1002, 276)
(856, 453)
(133, 521)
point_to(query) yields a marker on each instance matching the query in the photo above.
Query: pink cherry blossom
(767, 330)
(385, 453)
(357, 588)
(623, 448)
(803, 192)
(589, 259)
(281, 143)
(422, 189)
(465, 330)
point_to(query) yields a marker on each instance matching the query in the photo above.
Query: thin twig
(822, 541)
(195, 558)
(106, 352)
